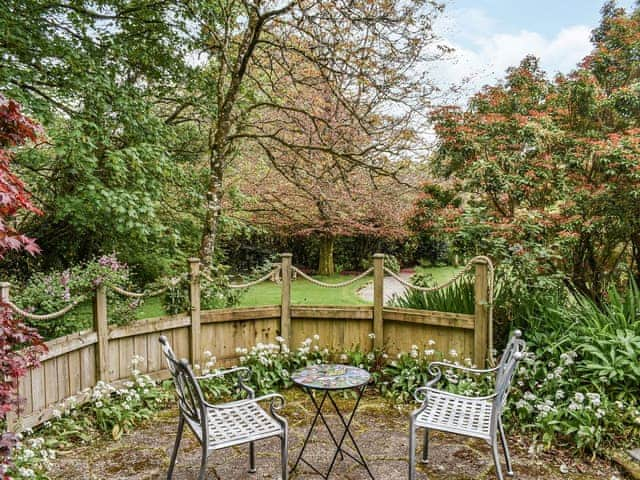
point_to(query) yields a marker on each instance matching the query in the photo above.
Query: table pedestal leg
(338, 443)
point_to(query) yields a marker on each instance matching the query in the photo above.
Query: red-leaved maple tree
(20, 345)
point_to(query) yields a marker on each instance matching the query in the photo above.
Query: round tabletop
(330, 377)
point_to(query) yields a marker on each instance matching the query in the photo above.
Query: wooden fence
(77, 362)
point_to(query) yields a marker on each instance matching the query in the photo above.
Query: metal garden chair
(225, 424)
(478, 417)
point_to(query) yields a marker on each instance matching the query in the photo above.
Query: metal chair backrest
(190, 398)
(513, 353)
(515, 344)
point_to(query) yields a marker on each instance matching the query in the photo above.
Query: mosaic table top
(330, 377)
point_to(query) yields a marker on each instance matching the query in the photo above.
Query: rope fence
(331, 285)
(272, 274)
(171, 283)
(47, 316)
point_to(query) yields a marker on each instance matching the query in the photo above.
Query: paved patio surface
(379, 428)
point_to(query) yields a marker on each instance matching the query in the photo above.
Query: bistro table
(331, 378)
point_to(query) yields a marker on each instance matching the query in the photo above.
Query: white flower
(279, 339)
(316, 337)
(559, 395)
(578, 397)
(431, 342)
(574, 406)
(28, 453)
(98, 404)
(207, 353)
(594, 398)
(56, 413)
(26, 472)
(414, 347)
(453, 352)
(529, 396)
(343, 357)
(429, 352)
(372, 335)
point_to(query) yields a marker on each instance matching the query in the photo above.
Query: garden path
(391, 287)
(381, 432)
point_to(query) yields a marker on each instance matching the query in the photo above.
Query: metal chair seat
(224, 425)
(456, 414)
(230, 425)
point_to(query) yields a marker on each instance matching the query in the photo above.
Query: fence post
(378, 299)
(481, 312)
(11, 416)
(194, 301)
(285, 300)
(102, 331)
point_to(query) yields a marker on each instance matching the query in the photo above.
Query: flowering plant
(31, 459)
(49, 292)
(271, 364)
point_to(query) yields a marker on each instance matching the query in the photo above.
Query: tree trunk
(325, 264)
(213, 208)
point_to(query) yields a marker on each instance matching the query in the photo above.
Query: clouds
(483, 52)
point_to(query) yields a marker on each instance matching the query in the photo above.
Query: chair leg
(252, 457)
(203, 464)
(496, 458)
(284, 456)
(412, 449)
(505, 447)
(425, 449)
(176, 446)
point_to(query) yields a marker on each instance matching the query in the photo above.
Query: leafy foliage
(213, 294)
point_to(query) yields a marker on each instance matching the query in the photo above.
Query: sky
(490, 35)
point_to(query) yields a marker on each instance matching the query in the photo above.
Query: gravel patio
(381, 432)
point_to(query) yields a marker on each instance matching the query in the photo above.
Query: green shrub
(50, 292)
(456, 298)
